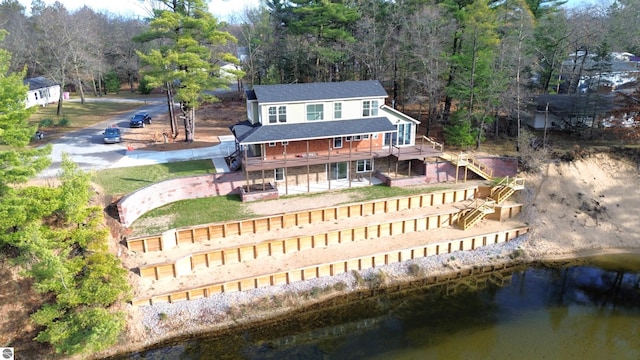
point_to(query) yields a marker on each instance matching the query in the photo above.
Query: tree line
(464, 63)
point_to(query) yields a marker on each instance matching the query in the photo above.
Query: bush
(376, 280)
(45, 123)
(531, 152)
(339, 286)
(358, 277)
(414, 270)
(64, 122)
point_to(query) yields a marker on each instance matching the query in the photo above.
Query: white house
(42, 91)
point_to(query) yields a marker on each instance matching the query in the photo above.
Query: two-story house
(322, 133)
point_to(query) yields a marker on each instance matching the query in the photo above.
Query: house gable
(42, 91)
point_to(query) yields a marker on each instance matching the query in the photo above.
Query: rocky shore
(223, 309)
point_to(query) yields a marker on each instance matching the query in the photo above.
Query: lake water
(579, 312)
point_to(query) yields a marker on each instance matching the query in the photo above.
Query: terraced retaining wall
(233, 255)
(334, 268)
(174, 237)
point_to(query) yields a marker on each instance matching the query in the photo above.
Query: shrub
(358, 277)
(414, 270)
(376, 280)
(531, 152)
(64, 122)
(339, 286)
(315, 292)
(162, 316)
(516, 254)
(45, 123)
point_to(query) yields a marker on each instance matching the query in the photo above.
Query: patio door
(404, 134)
(339, 171)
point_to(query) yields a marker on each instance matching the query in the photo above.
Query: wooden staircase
(479, 209)
(505, 188)
(470, 163)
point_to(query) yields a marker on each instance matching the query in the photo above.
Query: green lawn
(191, 212)
(81, 116)
(225, 208)
(121, 181)
(369, 193)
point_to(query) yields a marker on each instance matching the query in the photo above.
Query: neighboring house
(569, 111)
(41, 91)
(601, 75)
(229, 72)
(323, 132)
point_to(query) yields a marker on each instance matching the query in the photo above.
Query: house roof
(390, 110)
(247, 133)
(39, 82)
(318, 91)
(612, 66)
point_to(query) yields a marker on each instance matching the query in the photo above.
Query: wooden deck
(425, 148)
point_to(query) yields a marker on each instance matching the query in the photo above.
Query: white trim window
(370, 108)
(337, 143)
(337, 110)
(272, 144)
(278, 174)
(364, 165)
(277, 114)
(315, 112)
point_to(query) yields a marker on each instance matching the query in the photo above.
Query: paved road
(87, 149)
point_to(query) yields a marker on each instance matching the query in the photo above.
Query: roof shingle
(318, 91)
(246, 133)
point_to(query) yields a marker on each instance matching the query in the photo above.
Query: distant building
(598, 75)
(42, 91)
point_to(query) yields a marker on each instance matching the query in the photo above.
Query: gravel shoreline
(166, 320)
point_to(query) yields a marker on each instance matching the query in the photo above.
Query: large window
(278, 174)
(363, 165)
(277, 114)
(404, 134)
(337, 110)
(370, 108)
(314, 112)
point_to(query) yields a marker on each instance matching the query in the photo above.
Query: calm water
(578, 312)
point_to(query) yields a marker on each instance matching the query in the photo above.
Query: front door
(339, 171)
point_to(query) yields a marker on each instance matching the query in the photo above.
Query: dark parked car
(112, 135)
(139, 119)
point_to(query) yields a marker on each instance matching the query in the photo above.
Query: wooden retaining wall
(335, 268)
(172, 238)
(234, 255)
